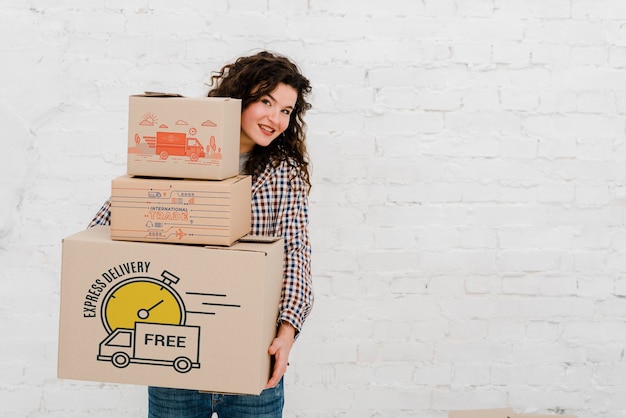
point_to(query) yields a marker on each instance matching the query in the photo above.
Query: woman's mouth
(267, 130)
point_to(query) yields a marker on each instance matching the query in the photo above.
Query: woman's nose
(273, 115)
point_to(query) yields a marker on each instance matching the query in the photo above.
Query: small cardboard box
(150, 209)
(178, 316)
(499, 413)
(182, 137)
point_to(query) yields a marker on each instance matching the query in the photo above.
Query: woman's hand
(280, 348)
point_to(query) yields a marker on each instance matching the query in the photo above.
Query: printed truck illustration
(177, 143)
(156, 344)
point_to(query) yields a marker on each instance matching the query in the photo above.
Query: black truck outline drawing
(156, 344)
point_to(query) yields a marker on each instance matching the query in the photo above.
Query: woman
(273, 151)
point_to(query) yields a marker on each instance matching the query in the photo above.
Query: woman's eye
(265, 102)
(286, 111)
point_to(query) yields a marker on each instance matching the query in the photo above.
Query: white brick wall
(469, 203)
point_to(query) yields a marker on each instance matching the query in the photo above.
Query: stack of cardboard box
(172, 140)
(172, 293)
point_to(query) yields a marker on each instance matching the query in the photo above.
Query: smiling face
(264, 120)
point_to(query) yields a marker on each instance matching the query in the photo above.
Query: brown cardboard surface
(169, 315)
(542, 416)
(148, 209)
(183, 137)
(499, 413)
(482, 413)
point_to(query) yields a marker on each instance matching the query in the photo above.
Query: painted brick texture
(468, 209)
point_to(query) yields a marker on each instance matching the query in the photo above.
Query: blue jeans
(182, 403)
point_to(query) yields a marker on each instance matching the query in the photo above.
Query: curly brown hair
(249, 79)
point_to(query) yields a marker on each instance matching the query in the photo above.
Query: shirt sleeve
(103, 217)
(292, 224)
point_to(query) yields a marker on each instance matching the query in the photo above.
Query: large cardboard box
(499, 413)
(178, 316)
(174, 136)
(150, 209)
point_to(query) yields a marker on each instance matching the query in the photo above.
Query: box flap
(165, 95)
(225, 183)
(482, 413)
(259, 239)
(161, 94)
(264, 247)
(95, 233)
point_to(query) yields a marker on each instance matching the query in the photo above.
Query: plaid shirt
(280, 209)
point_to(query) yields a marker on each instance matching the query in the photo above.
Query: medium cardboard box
(150, 209)
(182, 137)
(178, 316)
(499, 413)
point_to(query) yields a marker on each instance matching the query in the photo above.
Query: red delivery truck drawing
(156, 344)
(177, 143)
